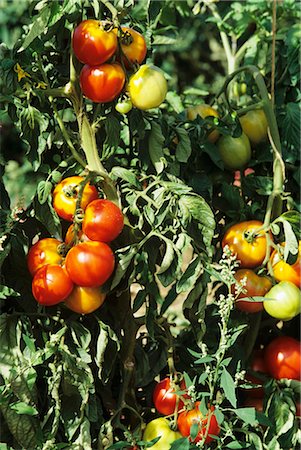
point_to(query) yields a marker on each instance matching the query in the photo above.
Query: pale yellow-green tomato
(147, 88)
(160, 427)
(255, 125)
(234, 152)
(283, 301)
(203, 111)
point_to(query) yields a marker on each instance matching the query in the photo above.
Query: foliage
(86, 382)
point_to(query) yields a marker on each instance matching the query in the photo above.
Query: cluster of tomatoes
(235, 152)
(74, 271)
(169, 397)
(107, 54)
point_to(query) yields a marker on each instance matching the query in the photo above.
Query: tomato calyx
(126, 38)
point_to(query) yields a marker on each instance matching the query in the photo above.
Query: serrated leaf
(46, 214)
(155, 147)
(228, 386)
(180, 444)
(107, 342)
(183, 149)
(175, 101)
(38, 27)
(125, 175)
(6, 292)
(168, 256)
(23, 408)
(189, 277)
(43, 191)
(247, 415)
(113, 129)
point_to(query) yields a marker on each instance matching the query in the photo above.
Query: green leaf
(155, 147)
(247, 415)
(38, 26)
(113, 129)
(228, 386)
(125, 175)
(23, 408)
(6, 292)
(168, 256)
(180, 444)
(175, 101)
(107, 344)
(183, 149)
(46, 214)
(189, 277)
(43, 191)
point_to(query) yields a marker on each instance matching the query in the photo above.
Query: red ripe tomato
(85, 300)
(258, 364)
(70, 237)
(65, 195)
(255, 286)
(92, 44)
(103, 221)
(51, 285)
(133, 46)
(45, 251)
(283, 358)
(165, 397)
(254, 402)
(90, 264)
(194, 416)
(284, 271)
(102, 83)
(249, 246)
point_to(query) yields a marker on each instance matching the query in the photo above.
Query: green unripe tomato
(283, 301)
(124, 106)
(160, 427)
(147, 88)
(234, 152)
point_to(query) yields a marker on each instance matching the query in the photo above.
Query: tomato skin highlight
(135, 52)
(90, 264)
(165, 398)
(234, 152)
(64, 203)
(250, 254)
(255, 125)
(255, 286)
(103, 221)
(204, 111)
(102, 83)
(85, 300)
(92, 44)
(283, 301)
(147, 88)
(283, 358)
(189, 417)
(43, 252)
(51, 285)
(283, 271)
(160, 427)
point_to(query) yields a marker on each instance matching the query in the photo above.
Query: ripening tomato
(65, 196)
(92, 44)
(147, 87)
(103, 221)
(282, 270)
(203, 111)
(194, 416)
(254, 402)
(249, 246)
(124, 106)
(70, 236)
(160, 428)
(254, 286)
(258, 365)
(45, 251)
(90, 264)
(234, 152)
(51, 285)
(102, 83)
(283, 358)
(85, 300)
(283, 301)
(165, 397)
(133, 46)
(255, 125)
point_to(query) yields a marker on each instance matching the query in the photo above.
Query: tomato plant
(92, 43)
(85, 300)
(147, 87)
(165, 398)
(90, 264)
(252, 286)
(255, 125)
(45, 251)
(203, 111)
(234, 152)
(246, 243)
(65, 196)
(160, 428)
(133, 46)
(282, 270)
(102, 83)
(51, 285)
(207, 425)
(283, 301)
(283, 358)
(257, 365)
(103, 221)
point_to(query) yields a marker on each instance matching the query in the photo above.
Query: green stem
(111, 8)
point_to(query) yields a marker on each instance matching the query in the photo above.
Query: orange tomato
(255, 286)
(283, 271)
(45, 251)
(133, 46)
(85, 300)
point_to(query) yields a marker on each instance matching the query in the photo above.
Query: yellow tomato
(85, 300)
(147, 88)
(204, 111)
(255, 125)
(160, 427)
